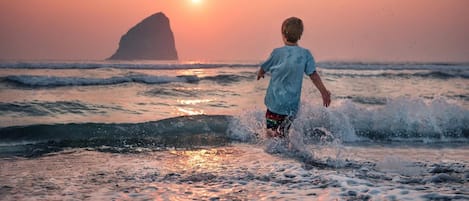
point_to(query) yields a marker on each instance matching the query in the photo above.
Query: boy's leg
(285, 125)
(277, 124)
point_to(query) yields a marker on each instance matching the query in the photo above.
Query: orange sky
(357, 30)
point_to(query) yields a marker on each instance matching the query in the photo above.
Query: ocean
(145, 130)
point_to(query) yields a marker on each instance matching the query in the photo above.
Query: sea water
(143, 130)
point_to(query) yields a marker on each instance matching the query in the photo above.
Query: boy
(286, 66)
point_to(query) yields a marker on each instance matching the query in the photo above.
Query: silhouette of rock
(151, 39)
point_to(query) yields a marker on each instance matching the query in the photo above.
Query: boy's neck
(291, 44)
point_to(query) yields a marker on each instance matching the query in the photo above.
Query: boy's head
(292, 28)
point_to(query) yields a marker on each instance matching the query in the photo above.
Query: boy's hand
(326, 95)
(326, 98)
(260, 74)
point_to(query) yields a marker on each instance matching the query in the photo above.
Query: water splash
(318, 134)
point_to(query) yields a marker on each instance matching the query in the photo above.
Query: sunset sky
(338, 30)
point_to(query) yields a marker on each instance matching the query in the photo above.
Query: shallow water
(238, 172)
(171, 131)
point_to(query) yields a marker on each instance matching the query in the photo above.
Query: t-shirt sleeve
(310, 64)
(271, 61)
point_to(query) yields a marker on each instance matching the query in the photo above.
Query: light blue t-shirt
(286, 66)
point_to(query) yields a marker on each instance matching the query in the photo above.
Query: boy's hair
(292, 28)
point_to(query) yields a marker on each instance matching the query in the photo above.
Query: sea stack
(151, 39)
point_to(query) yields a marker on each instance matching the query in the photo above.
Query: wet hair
(292, 28)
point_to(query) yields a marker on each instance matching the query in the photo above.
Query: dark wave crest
(183, 132)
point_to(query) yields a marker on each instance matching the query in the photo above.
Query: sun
(196, 1)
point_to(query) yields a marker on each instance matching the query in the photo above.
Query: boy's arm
(326, 95)
(260, 73)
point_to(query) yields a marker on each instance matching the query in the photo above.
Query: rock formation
(151, 39)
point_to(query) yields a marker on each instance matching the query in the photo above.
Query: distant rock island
(151, 39)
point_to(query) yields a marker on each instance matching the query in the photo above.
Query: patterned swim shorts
(278, 123)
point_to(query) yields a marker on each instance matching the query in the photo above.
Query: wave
(396, 120)
(365, 100)
(187, 92)
(45, 108)
(144, 64)
(179, 132)
(394, 66)
(400, 120)
(119, 64)
(225, 79)
(447, 74)
(172, 128)
(54, 81)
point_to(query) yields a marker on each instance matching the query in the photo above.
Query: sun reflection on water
(193, 101)
(203, 160)
(189, 111)
(199, 72)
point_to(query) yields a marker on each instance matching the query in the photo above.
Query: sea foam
(55, 81)
(401, 119)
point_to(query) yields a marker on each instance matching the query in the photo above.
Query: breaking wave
(394, 66)
(396, 120)
(54, 81)
(400, 120)
(446, 74)
(118, 64)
